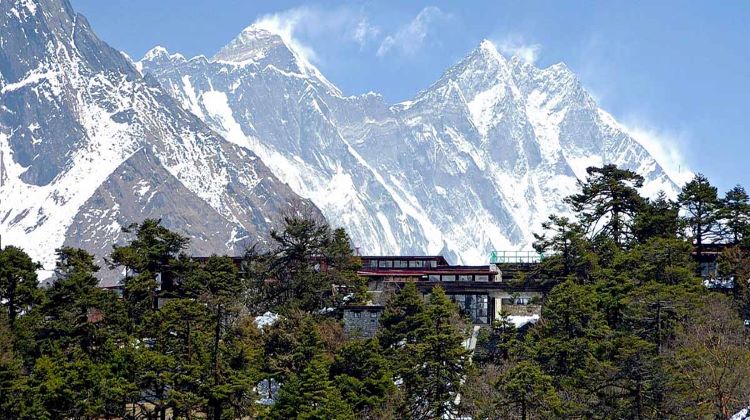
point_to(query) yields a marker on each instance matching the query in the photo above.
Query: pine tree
(181, 330)
(217, 285)
(437, 361)
(659, 218)
(573, 330)
(82, 328)
(403, 319)
(711, 363)
(19, 290)
(13, 382)
(734, 265)
(608, 202)
(362, 375)
(306, 270)
(569, 248)
(735, 214)
(152, 255)
(527, 390)
(289, 346)
(311, 395)
(78, 314)
(664, 260)
(497, 344)
(699, 200)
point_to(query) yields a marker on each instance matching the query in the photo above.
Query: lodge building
(482, 292)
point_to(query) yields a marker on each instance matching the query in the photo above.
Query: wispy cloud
(664, 145)
(410, 37)
(365, 32)
(299, 24)
(287, 24)
(515, 45)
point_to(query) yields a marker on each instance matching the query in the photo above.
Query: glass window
(433, 263)
(459, 299)
(385, 263)
(482, 278)
(522, 301)
(434, 277)
(399, 264)
(373, 314)
(476, 306)
(464, 277)
(373, 263)
(358, 314)
(708, 269)
(449, 278)
(416, 264)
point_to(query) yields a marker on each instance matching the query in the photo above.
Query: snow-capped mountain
(88, 145)
(473, 163)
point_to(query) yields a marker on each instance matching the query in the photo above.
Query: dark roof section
(439, 258)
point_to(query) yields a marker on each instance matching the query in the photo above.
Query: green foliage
(700, 202)
(404, 318)
(609, 202)
(311, 267)
(628, 331)
(425, 344)
(151, 255)
(362, 374)
(568, 252)
(311, 395)
(735, 214)
(569, 340)
(18, 282)
(659, 218)
(498, 343)
(527, 390)
(710, 363)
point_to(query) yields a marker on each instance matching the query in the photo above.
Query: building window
(464, 277)
(373, 263)
(357, 314)
(449, 278)
(516, 301)
(433, 263)
(434, 277)
(373, 314)
(482, 278)
(416, 264)
(385, 263)
(476, 306)
(399, 264)
(709, 269)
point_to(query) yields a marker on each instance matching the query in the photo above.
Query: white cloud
(365, 32)
(288, 24)
(300, 25)
(664, 145)
(409, 38)
(515, 46)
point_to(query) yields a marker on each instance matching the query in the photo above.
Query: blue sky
(676, 73)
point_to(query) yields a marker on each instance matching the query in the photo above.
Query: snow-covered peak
(160, 54)
(263, 46)
(488, 49)
(157, 51)
(253, 44)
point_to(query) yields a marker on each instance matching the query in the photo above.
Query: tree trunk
(215, 403)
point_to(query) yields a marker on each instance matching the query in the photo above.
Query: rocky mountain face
(473, 163)
(88, 145)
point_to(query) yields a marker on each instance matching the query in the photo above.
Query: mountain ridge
(487, 123)
(77, 117)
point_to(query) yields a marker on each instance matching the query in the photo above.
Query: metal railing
(516, 257)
